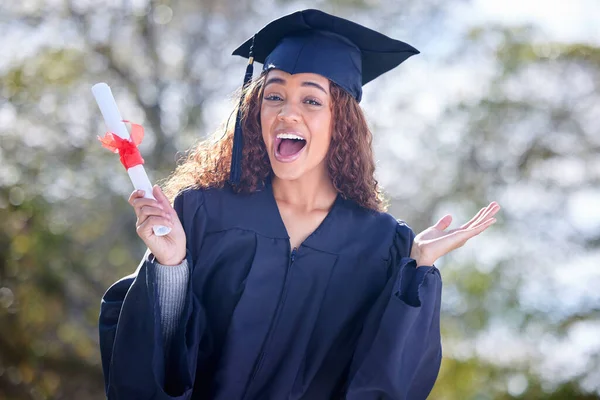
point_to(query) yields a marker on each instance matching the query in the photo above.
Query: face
(295, 118)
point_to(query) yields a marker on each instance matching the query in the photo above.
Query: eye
(312, 102)
(273, 97)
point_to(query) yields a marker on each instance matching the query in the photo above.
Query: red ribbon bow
(126, 148)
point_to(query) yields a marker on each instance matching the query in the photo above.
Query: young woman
(288, 281)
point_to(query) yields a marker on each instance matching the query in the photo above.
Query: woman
(289, 282)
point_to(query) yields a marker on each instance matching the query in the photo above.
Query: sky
(564, 20)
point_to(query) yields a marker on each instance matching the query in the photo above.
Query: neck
(307, 192)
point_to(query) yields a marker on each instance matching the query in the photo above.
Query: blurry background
(503, 104)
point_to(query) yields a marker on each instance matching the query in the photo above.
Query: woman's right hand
(169, 249)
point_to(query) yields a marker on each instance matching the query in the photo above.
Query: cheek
(323, 135)
(266, 120)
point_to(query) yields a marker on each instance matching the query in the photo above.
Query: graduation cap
(312, 41)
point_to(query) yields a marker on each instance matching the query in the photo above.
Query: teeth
(289, 136)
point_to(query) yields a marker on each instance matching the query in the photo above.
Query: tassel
(235, 173)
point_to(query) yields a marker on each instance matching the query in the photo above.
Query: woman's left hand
(434, 242)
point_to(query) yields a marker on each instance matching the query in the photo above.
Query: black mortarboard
(346, 53)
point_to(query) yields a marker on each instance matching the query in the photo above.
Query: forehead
(299, 78)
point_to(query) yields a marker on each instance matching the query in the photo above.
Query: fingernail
(141, 192)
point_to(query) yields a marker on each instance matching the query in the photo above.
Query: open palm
(436, 241)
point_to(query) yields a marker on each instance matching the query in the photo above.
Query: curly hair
(350, 161)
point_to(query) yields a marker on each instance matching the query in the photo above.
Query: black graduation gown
(346, 315)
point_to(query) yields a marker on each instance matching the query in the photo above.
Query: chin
(287, 172)
(301, 167)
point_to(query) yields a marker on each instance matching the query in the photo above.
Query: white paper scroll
(115, 124)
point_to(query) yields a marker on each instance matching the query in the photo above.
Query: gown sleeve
(399, 351)
(131, 343)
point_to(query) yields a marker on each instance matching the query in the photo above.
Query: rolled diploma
(114, 122)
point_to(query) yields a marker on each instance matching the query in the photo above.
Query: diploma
(115, 124)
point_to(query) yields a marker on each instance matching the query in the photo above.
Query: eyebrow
(305, 83)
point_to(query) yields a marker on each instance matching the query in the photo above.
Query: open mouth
(288, 147)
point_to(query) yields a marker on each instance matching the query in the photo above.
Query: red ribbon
(126, 148)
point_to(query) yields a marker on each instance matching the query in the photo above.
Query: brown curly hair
(350, 158)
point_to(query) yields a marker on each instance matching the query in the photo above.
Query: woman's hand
(169, 249)
(434, 242)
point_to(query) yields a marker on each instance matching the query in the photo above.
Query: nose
(288, 113)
